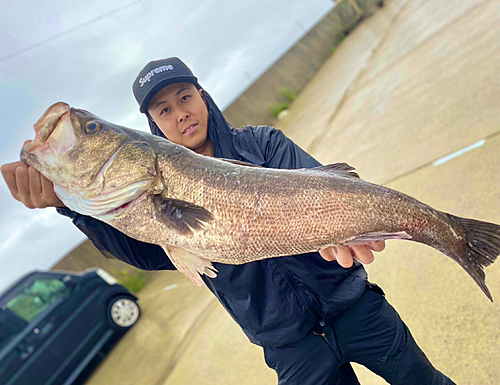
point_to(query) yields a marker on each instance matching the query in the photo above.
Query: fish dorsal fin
(239, 162)
(191, 265)
(338, 169)
(181, 216)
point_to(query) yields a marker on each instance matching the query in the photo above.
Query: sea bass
(202, 210)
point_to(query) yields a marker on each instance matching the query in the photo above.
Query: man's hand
(345, 254)
(29, 187)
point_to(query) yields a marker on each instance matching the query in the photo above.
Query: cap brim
(163, 83)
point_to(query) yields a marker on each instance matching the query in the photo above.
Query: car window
(5, 335)
(10, 327)
(37, 297)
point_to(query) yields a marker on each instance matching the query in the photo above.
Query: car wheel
(122, 312)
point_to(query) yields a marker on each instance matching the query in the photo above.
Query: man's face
(181, 114)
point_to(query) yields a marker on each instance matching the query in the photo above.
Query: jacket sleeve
(280, 151)
(114, 244)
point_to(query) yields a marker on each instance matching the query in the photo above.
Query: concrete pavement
(423, 84)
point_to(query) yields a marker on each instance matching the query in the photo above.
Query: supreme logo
(158, 70)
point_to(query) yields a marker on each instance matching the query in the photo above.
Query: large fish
(202, 210)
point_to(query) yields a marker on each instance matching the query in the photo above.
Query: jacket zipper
(322, 335)
(302, 297)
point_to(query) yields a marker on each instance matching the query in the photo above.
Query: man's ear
(202, 94)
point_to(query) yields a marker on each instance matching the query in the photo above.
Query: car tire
(122, 312)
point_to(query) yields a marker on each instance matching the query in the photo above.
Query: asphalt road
(409, 98)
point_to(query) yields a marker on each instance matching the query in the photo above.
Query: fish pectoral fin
(182, 216)
(376, 236)
(191, 265)
(342, 169)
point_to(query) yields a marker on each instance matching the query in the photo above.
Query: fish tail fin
(483, 248)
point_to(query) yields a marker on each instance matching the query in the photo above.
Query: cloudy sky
(87, 53)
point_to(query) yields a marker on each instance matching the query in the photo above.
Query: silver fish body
(203, 210)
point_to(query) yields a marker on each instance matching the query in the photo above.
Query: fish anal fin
(191, 265)
(376, 236)
(181, 216)
(342, 169)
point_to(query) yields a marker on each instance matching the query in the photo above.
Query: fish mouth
(53, 132)
(49, 121)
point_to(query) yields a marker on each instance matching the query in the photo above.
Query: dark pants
(370, 333)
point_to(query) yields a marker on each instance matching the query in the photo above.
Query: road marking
(170, 287)
(459, 152)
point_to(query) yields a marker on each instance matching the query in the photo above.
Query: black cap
(158, 74)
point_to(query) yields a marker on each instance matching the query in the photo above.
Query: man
(311, 314)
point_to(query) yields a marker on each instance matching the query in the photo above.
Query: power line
(68, 31)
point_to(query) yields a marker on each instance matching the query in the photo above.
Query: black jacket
(275, 301)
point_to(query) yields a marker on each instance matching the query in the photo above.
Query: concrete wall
(294, 68)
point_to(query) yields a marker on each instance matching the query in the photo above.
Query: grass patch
(133, 282)
(288, 94)
(275, 108)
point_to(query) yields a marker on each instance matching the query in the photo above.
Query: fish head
(96, 166)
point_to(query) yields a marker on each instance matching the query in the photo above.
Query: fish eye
(92, 127)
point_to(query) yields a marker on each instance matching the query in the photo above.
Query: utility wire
(68, 31)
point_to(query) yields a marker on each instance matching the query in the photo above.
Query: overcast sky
(87, 53)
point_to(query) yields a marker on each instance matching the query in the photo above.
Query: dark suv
(52, 324)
